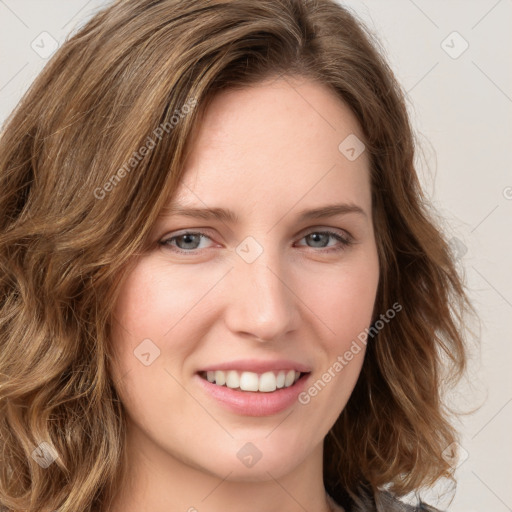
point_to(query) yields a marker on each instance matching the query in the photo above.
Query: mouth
(260, 392)
(267, 382)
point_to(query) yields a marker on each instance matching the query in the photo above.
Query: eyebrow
(228, 216)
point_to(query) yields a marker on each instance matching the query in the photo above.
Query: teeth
(267, 382)
(289, 379)
(220, 378)
(281, 377)
(250, 381)
(232, 379)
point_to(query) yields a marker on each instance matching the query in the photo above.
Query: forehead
(275, 142)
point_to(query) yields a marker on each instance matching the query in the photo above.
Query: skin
(265, 152)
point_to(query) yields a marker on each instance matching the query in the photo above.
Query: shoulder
(380, 502)
(385, 502)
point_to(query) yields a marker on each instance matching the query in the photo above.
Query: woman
(221, 285)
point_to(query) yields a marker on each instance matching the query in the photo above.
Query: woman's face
(265, 290)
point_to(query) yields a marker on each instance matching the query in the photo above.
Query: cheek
(163, 305)
(143, 306)
(345, 306)
(141, 313)
(155, 302)
(344, 300)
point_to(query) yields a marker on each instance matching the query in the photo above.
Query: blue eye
(188, 242)
(321, 236)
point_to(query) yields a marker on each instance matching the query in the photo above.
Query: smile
(266, 382)
(249, 393)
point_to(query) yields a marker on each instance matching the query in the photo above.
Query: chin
(256, 462)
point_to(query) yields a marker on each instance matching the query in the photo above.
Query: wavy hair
(79, 195)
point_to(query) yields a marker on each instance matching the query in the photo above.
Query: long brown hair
(87, 161)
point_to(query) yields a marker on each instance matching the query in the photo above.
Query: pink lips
(253, 365)
(250, 403)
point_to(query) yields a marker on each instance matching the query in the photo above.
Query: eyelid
(345, 239)
(314, 229)
(206, 232)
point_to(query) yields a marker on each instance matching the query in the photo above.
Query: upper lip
(258, 366)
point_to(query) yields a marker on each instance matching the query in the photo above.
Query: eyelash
(345, 242)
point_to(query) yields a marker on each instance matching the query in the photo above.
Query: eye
(189, 242)
(320, 237)
(185, 242)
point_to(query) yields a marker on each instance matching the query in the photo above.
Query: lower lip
(251, 403)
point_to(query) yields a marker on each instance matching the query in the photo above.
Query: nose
(261, 302)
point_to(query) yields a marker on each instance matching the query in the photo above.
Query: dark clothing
(380, 502)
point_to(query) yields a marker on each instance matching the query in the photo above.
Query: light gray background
(461, 106)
